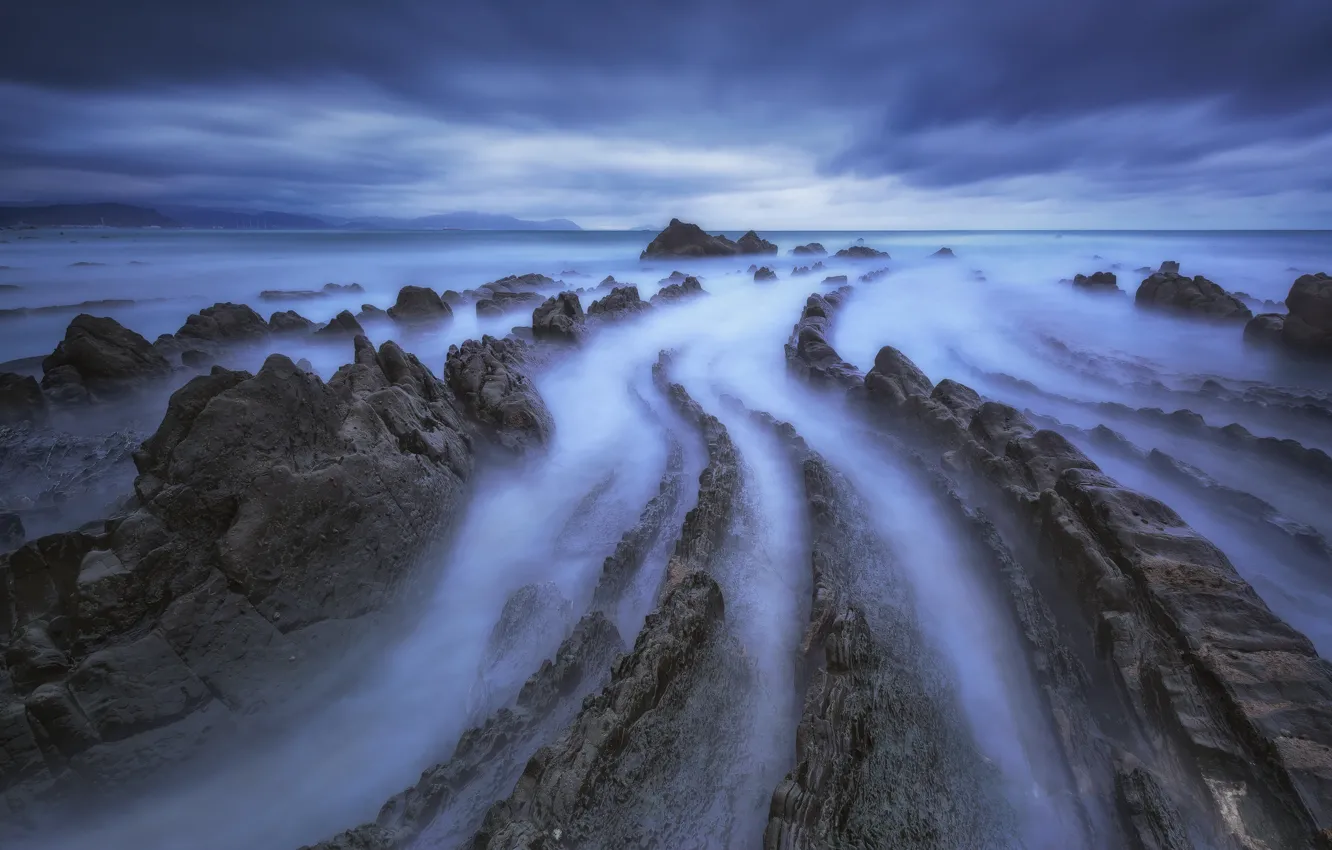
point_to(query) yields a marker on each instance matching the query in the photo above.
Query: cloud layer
(948, 113)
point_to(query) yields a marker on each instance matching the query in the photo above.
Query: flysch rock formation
(271, 511)
(1220, 700)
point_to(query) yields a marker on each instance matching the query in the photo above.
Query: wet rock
(11, 531)
(532, 615)
(944, 254)
(106, 356)
(21, 399)
(623, 301)
(290, 322)
(1097, 281)
(1169, 290)
(500, 303)
(195, 359)
(808, 353)
(1150, 816)
(752, 243)
(491, 384)
(687, 288)
(620, 567)
(224, 323)
(559, 317)
(764, 274)
(416, 304)
(894, 378)
(1308, 326)
(862, 252)
(343, 324)
(812, 249)
(681, 239)
(1265, 329)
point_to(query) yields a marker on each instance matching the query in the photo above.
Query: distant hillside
(84, 215)
(207, 218)
(460, 221)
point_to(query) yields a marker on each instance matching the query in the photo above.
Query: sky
(895, 114)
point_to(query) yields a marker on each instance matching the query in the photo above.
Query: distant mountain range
(207, 218)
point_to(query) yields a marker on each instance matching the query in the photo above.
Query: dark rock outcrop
(1167, 289)
(343, 324)
(224, 323)
(369, 312)
(290, 322)
(623, 301)
(944, 254)
(1265, 329)
(21, 399)
(1097, 282)
(1308, 326)
(490, 381)
(453, 298)
(266, 504)
(808, 352)
(877, 274)
(800, 271)
(681, 239)
(764, 274)
(835, 280)
(196, 359)
(862, 252)
(500, 303)
(104, 356)
(687, 288)
(813, 249)
(560, 318)
(752, 243)
(417, 304)
(517, 282)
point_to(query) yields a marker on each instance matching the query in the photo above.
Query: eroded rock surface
(1308, 327)
(560, 318)
(490, 380)
(102, 357)
(418, 304)
(1197, 296)
(622, 302)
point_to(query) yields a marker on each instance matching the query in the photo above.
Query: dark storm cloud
(941, 93)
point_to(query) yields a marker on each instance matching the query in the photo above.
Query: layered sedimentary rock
(269, 508)
(808, 352)
(1167, 289)
(490, 381)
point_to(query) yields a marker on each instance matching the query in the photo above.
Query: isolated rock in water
(799, 271)
(622, 301)
(1169, 267)
(491, 384)
(817, 267)
(343, 288)
(370, 312)
(560, 317)
(1265, 328)
(752, 243)
(196, 359)
(500, 303)
(1308, 327)
(944, 253)
(764, 273)
(680, 239)
(835, 279)
(1097, 281)
(224, 322)
(290, 322)
(267, 503)
(813, 249)
(870, 277)
(291, 294)
(862, 252)
(21, 399)
(11, 531)
(752, 269)
(673, 277)
(516, 282)
(1169, 290)
(107, 356)
(676, 291)
(418, 304)
(342, 325)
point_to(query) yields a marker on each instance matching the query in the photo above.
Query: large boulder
(559, 317)
(272, 511)
(1265, 329)
(21, 399)
(1167, 289)
(491, 383)
(290, 322)
(224, 322)
(622, 301)
(344, 324)
(419, 304)
(1308, 327)
(752, 243)
(518, 282)
(681, 239)
(813, 249)
(106, 356)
